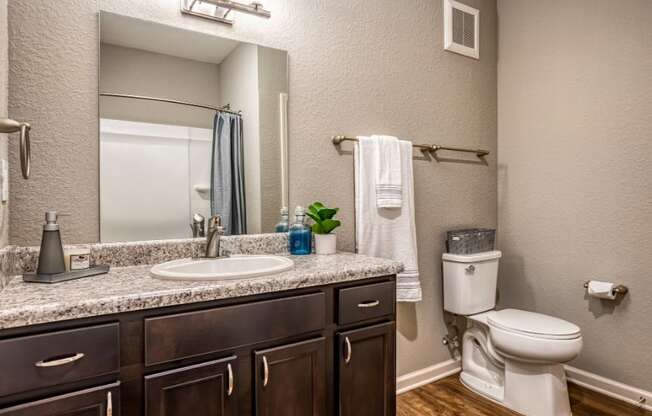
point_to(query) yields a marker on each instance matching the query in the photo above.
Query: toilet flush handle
(470, 269)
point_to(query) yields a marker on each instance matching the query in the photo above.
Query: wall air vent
(461, 29)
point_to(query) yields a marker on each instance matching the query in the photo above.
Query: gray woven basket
(470, 241)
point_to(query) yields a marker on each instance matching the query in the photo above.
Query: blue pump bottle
(282, 226)
(300, 236)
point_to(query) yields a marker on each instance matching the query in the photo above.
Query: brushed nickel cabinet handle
(265, 371)
(369, 304)
(347, 350)
(230, 389)
(60, 361)
(109, 404)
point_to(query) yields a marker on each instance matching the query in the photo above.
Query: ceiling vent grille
(461, 29)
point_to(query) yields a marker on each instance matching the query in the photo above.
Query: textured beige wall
(355, 68)
(575, 179)
(53, 79)
(4, 92)
(135, 71)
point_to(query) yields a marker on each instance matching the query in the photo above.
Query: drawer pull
(265, 371)
(109, 404)
(60, 361)
(347, 350)
(369, 304)
(230, 389)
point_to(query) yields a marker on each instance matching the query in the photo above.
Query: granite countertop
(132, 288)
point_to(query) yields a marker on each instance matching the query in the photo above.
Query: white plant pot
(325, 243)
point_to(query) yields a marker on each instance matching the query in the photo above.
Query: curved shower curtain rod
(225, 108)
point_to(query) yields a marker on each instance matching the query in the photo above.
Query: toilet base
(531, 389)
(536, 389)
(493, 392)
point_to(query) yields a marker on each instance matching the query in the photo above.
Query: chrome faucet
(215, 232)
(198, 226)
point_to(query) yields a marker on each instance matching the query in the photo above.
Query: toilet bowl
(510, 356)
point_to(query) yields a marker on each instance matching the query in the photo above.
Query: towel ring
(12, 126)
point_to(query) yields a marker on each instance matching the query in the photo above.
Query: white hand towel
(388, 233)
(389, 193)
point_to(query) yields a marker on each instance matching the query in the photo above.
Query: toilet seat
(533, 324)
(533, 337)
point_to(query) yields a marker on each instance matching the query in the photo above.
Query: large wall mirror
(191, 125)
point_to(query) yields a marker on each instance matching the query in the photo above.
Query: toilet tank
(470, 282)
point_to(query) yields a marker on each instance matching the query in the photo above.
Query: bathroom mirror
(191, 125)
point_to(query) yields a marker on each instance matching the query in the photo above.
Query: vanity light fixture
(219, 10)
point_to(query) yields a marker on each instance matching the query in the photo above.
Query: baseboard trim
(416, 379)
(591, 381)
(610, 388)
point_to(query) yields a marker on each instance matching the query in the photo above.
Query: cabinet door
(98, 401)
(291, 379)
(206, 389)
(367, 385)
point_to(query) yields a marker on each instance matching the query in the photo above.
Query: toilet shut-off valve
(450, 341)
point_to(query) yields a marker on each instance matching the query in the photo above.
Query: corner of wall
(4, 92)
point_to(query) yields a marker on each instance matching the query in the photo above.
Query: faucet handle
(214, 222)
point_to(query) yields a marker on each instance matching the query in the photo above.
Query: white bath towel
(382, 232)
(387, 151)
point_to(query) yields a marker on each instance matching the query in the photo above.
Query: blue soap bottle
(282, 226)
(300, 236)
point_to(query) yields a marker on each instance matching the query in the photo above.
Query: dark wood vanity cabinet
(291, 379)
(366, 385)
(98, 401)
(205, 389)
(321, 351)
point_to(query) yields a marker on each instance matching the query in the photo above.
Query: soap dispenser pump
(50, 260)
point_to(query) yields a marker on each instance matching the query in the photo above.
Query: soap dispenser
(51, 265)
(283, 224)
(50, 260)
(300, 235)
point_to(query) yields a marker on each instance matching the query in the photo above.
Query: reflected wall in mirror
(191, 125)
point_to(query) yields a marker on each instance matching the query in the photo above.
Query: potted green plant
(325, 238)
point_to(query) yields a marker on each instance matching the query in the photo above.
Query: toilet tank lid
(472, 258)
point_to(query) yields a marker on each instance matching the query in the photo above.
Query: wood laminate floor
(448, 397)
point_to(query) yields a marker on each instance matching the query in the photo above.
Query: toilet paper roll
(602, 290)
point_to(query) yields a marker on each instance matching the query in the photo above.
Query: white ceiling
(169, 40)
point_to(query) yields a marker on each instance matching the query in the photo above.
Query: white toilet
(511, 356)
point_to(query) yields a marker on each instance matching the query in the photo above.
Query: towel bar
(432, 148)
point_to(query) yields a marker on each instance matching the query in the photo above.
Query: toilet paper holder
(618, 289)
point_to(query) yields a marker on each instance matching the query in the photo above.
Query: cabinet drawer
(191, 334)
(360, 303)
(58, 357)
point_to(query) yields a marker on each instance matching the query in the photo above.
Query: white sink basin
(236, 267)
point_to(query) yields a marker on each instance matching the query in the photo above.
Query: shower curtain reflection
(227, 173)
